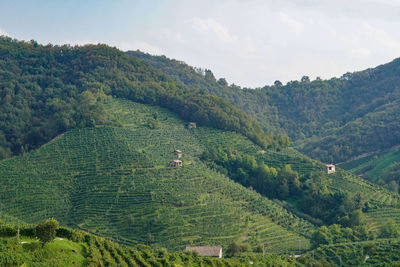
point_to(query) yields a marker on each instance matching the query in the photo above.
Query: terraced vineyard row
(377, 218)
(381, 252)
(374, 194)
(116, 182)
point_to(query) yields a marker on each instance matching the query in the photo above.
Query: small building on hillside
(192, 125)
(175, 163)
(330, 168)
(178, 153)
(214, 251)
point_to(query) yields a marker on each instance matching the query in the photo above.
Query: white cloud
(359, 53)
(173, 36)
(3, 32)
(380, 36)
(211, 25)
(142, 46)
(294, 25)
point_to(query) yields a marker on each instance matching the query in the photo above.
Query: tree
(235, 248)
(305, 79)
(223, 82)
(46, 230)
(389, 230)
(356, 218)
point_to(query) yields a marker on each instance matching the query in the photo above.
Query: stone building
(175, 163)
(330, 168)
(214, 251)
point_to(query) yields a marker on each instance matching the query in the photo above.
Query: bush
(70, 234)
(46, 231)
(7, 231)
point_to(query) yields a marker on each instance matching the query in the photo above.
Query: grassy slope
(61, 252)
(381, 252)
(333, 120)
(371, 167)
(90, 250)
(115, 181)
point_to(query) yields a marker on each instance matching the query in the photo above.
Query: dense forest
(46, 90)
(333, 120)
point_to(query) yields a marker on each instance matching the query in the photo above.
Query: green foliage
(234, 248)
(247, 171)
(367, 253)
(389, 230)
(153, 123)
(392, 177)
(47, 90)
(46, 231)
(116, 182)
(312, 195)
(332, 120)
(91, 250)
(338, 234)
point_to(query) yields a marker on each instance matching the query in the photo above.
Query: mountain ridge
(333, 120)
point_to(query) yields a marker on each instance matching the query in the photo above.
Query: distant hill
(334, 120)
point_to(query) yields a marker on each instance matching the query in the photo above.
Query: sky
(251, 43)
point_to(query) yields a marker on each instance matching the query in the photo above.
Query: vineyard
(381, 252)
(378, 217)
(77, 248)
(377, 196)
(373, 166)
(116, 182)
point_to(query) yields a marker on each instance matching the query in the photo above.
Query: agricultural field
(77, 248)
(380, 252)
(373, 166)
(378, 217)
(116, 182)
(375, 195)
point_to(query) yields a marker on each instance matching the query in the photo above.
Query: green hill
(381, 252)
(77, 248)
(116, 182)
(376, 167)
(96, 161)
(333, 120)
(47, 90)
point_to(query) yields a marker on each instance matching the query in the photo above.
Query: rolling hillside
(77, 248)
(372, 167)
(94, 131)
(333, 120)
(116, 182)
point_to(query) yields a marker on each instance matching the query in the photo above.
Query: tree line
(308, 192)
(47, 90)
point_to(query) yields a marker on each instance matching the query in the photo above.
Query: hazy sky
(249, 42)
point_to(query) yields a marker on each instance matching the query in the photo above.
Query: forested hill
(253, 102)
(46, 90)
(333, 120)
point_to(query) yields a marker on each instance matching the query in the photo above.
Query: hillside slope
(77, 248)
(47, 90)
(116, 182)
(333, 120)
